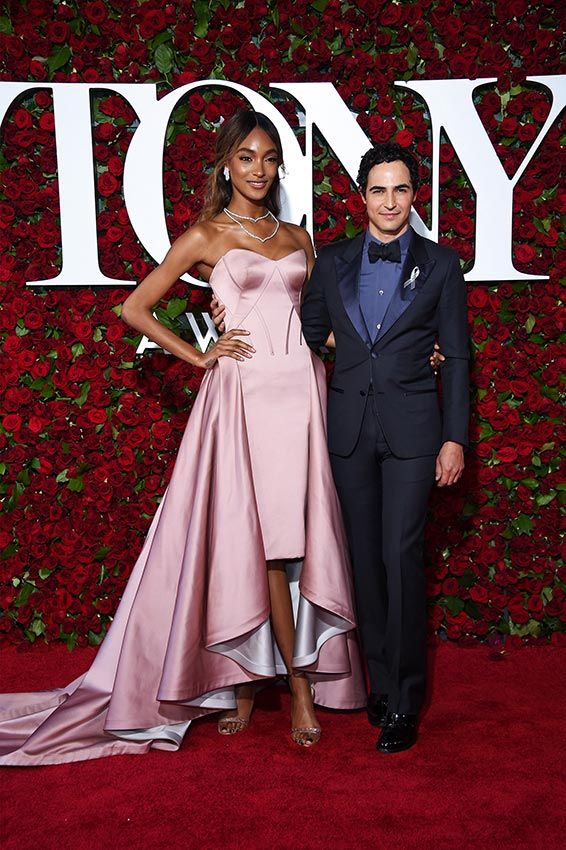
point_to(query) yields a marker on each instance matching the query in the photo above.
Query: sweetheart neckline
(256, 254)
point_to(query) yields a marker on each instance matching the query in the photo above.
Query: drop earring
(226, 174)
(282, 172)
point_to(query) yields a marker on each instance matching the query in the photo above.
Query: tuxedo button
(378, 327)
(374, 355)
(381, 293)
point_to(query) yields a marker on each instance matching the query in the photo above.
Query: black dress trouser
(384, 501)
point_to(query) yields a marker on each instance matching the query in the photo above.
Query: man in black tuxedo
(386, 296)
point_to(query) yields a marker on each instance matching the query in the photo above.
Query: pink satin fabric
(251, 482)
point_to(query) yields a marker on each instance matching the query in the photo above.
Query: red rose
(404, 138)
(107, 184)
(97, 416)
(47, 122)
(96, 12)
(478, 593)
(127, 457)
(385, 105)
(106, 605)
(450, 587)
(12, 422)
(83, 330)
(525, 253)
(355, 204)
(33, 320)
(22, 119)
(340, 184)
(35, 424)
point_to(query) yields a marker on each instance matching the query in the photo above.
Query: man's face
(389, 196)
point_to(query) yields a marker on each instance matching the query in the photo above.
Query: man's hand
(218, 314)
(449, 464)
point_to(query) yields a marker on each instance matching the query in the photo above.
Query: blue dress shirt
(378, 282)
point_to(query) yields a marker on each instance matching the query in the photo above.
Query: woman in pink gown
(244, 573)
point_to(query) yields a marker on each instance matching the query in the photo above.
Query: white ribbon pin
(412, 280)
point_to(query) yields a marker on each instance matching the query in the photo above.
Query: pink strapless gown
(251, 482)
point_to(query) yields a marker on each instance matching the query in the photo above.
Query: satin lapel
(417, 257)
(348, 276)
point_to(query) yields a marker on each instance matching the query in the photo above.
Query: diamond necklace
(234, 217)
(247, 217)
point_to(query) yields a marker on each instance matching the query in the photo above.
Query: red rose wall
(89, 431)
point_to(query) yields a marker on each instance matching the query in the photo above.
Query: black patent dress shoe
(377, 710)
(399, 733)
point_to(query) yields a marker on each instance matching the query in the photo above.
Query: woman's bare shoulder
(200, 239)
(298, 234)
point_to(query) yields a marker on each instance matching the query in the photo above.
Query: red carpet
(486, 772)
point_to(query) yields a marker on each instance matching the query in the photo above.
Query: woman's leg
(302, 715)
(237, 719)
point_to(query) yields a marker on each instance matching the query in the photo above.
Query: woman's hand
(227, 346)
(436, 358)
(218, 314)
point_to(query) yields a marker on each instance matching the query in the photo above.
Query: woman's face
(253, 166)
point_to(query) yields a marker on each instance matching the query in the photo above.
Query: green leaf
(468, 579)
(486, 431)
(523, 524)
(97, 335)
(62, 477)
(85, 389)
(165, 35)
(95, 639)
(24, 594)
(76, 485)
(175, 307)
(545, 499)
(454, 604)
(530, 323)
(351, 230)
(101, 553)
(10, 550)
(14, 498)
(6, 24)
(471, 610)
(59, 58)
(77, 348)
(319, 5)
(546, 594)
(412, 55)
(202, 15)
(37, 627)
(23, 477)
(44, 573)
(163, 59)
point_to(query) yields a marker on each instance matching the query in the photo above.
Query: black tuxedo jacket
(396, 362)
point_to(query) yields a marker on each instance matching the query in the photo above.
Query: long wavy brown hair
(230, 136)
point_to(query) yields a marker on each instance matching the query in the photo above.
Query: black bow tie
(390, 251)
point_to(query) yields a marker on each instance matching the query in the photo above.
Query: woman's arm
(137, 309)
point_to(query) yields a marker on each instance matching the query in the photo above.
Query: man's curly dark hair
(387, 152)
